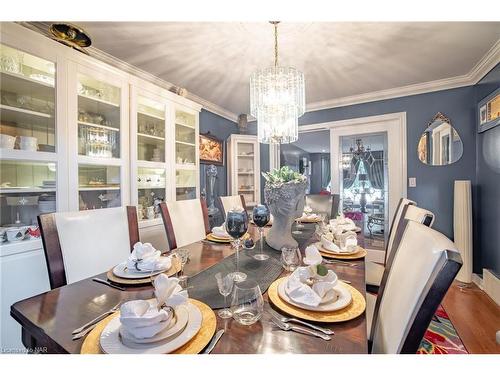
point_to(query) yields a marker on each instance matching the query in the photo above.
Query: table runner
(203, 285)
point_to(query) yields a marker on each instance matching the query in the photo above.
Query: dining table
(48, 319)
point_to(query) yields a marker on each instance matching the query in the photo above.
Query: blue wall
(434, 189)
(487, 194)
(222, 129)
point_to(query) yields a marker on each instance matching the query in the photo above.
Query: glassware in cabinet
(185, 138)
(185, 182)
(27, 101)
(99, 186)
(151, 185)
(150, 130)
(98, 118)
(27, 189)
(246, 172)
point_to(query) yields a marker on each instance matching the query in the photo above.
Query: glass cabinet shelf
(27, 97)
(150, 130)
(151, 184)
(98, 186)
(27, 189)
(98, 118)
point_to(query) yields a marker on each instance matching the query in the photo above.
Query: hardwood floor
(476, 318)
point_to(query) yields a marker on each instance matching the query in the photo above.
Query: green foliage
(283, 175)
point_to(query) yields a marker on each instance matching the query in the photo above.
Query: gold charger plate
(194, 346)
(317, 220)
(360, 254)
(214, 238)
(353, 310)
(176, 267)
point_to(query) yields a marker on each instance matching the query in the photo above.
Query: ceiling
(214, 60)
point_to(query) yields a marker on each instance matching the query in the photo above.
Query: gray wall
(486, 199)
(434, 189)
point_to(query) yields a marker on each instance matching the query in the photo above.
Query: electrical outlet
(412, 182)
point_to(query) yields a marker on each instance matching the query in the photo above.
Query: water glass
(290, 258)
(225, 284)
(261, 216)
(247, 304)
(236, 227)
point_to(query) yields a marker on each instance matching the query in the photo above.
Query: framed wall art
(211, 149)
(488, 111)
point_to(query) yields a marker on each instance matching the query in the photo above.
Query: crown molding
(482, 67)
(43, 27)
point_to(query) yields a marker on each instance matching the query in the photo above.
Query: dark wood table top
(49, 318)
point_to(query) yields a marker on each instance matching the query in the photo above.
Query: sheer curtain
(325, 171)
(350, 174)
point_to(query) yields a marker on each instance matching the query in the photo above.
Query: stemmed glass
(261, 217)
(225, 285)
(183, 256)
(236, 227)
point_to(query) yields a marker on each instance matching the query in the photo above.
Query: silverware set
(283, 323)
(215, 339)
(106, 282)
(87, 327)
(339, 262)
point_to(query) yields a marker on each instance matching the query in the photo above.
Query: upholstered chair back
(420, 272)
(82, 244)
(324, 204)
(403, 202)
(231, 201)
(185, 221)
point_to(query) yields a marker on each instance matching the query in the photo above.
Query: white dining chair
(82, 244)
(229, 202)
(420, 271)
(185, 221)
(374, 271)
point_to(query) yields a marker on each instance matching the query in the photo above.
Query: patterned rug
(441, 337)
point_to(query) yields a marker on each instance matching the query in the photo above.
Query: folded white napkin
(312, 256)
(147, 258)
(328, 243)
(342, 222)
(309, 216)
(307, 210)
(220, 231)
(350, 242)
(141, 319)
(299, 291)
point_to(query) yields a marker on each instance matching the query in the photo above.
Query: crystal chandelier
(277, 100)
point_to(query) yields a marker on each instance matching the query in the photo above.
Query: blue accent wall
(434, 189)
(487, 193)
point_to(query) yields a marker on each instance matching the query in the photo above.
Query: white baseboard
(491, 285)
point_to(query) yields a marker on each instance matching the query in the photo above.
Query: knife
(105, 282)
(214, 341)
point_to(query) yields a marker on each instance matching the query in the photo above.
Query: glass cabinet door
(150, 130)
(185, 155)
(246, 172)
(27, 190)
(98, 118)
(98, 186)
(27, 106)
(151, 185)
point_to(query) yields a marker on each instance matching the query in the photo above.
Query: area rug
(441, 337)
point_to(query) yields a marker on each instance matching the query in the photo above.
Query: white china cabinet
(78, 134)
(243, 155)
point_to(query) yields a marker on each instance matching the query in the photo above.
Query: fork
(96, 320)
(285, 319)
(340, 262)
(306, 331)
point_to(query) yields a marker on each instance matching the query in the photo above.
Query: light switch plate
(412, 182)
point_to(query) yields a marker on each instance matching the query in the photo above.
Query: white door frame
(394, 124)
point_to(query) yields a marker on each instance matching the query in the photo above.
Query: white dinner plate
(111, 342)
(121, 270)
(343, 300)
(177, 324)
(320, 246)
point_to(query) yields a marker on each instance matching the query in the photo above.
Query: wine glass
(236, 227)
(290, 258)
(261, 217)
(225, 285)
(247, 304)
(183, 256)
